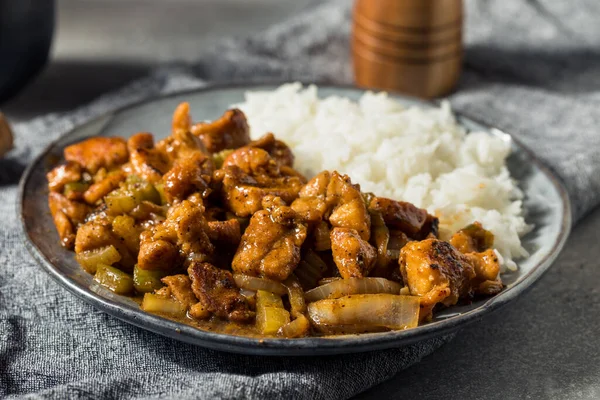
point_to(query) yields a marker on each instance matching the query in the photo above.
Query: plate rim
(303, 346)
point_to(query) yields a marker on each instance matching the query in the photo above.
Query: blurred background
(101, 45)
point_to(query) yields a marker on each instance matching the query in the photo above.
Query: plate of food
(292, 220)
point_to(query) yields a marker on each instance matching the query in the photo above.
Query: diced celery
(89, 260)
(145, 191)
(157, 304)
(73, 187)
(270, 314)
(114, 279)
(119, 202)
(126, 198)
(219, 157)
(270, 319)
(160, 188)
(268, 299)
(146, 281)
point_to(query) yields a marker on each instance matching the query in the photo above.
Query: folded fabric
(530, 68)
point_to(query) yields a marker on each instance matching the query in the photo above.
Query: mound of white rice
(420, 155)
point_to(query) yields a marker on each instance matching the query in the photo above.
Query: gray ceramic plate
(546, 204)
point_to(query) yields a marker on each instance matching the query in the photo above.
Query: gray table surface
(541, 347)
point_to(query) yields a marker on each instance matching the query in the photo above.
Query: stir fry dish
(211, 228)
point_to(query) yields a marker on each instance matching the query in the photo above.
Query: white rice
(415, 154)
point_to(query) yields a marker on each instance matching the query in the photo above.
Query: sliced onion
(253, 283)
(344, 287)
(325, 281)
(295, 296)
(367, 310)
(297, 328)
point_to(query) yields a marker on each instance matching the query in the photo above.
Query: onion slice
(297, 328)
(253, 283)
(367, 310)
(295, 296)
(345, 287)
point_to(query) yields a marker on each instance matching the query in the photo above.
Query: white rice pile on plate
(415, 154)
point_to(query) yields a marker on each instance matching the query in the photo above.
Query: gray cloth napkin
(530, 68)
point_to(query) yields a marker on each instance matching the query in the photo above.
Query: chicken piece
(472, 238)
(156, 253)
(353, 256)
(475, 243)
(270, 246)
(148, 162)
(228, 232)
(75, 211)
(100, 189)
(311, 204)
(248, 175)
(254, 162)
(230, 131)
(435, 271)
(487, 279)
(277, 149)
(97, 234)
(182, 122)
(349, 209)
(181, 237)
(98, 152)
(65, 229)
(180, 287)
(191, 227)
(217, 293)
(413, 221)
(181, 142)
(65, 173)
(188, 175)
(67, 215)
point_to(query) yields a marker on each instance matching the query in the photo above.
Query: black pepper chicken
(220, 231)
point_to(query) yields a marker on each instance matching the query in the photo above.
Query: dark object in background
(26, 30)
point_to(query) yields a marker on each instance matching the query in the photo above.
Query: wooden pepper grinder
(408, 46)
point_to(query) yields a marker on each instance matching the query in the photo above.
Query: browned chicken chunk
(312, 204)
(228, 132)
(353, 256)
(148, 162)
(65, 173)
(180, 287)
(349, 209)
(277, 149)
(97, 234)
(228, 232)
(476, 242)
(270, 246)
(182, 236)
(248, 175)
(217, 292)
(472, 238)
(75, 210)
(100, 189)
(189, 175)
(437, 272)
(181, 142)
(67, 215)
(413, 221)
(98, 152)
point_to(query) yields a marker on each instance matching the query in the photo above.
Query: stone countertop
(546, 345)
